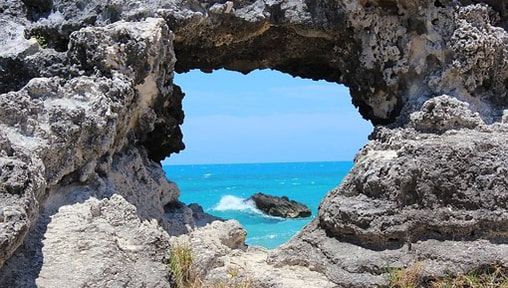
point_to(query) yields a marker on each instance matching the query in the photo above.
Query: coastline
(221, 190)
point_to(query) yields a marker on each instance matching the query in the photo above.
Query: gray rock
(414, 197)
(83, 242)
(221, 258)
(444, 113)
(279, 206)
(88, 108)
(61, 135)
(201, 218)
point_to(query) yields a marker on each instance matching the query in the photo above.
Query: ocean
(222, 188)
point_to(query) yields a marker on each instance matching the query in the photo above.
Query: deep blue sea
(222, 188)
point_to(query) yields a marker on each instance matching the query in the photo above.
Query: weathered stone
(444, 113)
(279, 206)
(201, 218)
(87, 108)
(80, 138)
(414, 197)
(83, 242)
(220, 258)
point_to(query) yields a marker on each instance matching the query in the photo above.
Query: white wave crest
(230, 202)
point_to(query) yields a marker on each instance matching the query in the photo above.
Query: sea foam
(234, 203)
(223, 189)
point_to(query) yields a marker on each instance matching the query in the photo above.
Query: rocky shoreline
(88, 108)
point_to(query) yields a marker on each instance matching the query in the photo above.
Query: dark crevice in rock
(342, 235)
(14, 74)
(51, 38)
(166, 137)
(173, 207)
(37, 9)
(438, 3)
(418, 232)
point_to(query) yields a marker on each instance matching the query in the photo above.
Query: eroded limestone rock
(87, 108)
(414, 197)
(67, 140)
(220, 257)
(98, 243)
(444, 113)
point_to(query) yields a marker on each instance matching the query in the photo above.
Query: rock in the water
(280, 206)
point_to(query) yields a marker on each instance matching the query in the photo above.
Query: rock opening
(87, 104)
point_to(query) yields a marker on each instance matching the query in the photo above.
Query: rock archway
(89, 107)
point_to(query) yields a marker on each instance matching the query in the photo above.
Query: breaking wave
(234, 203)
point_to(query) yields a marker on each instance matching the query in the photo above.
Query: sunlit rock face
(88, 108)
(434, 193)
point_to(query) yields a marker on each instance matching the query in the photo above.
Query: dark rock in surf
(280, 206)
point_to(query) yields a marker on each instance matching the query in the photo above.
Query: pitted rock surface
(83, 242)
(60, 134)
(412, 197)
(88, 108)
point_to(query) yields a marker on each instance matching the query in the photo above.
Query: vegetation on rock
(180, 265)
(185, 276)
(412, 277)
(43, 42)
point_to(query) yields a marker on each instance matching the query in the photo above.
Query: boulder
(279, 206)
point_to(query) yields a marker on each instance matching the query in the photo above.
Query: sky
(266, 116)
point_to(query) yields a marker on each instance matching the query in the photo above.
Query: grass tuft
(411, 277)
(180, 265)
(184, 275)
(491, 277)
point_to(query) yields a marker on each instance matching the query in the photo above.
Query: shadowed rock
(280, 206)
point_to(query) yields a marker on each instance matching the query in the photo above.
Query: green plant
(43, 42)
(180, 265)
(184, 276)
(233, 272)
(491, 277)
(410, 277)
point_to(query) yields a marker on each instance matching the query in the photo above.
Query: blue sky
(266, 116)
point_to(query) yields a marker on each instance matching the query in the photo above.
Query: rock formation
(436, 197)
(67, 141)
(279, 206)
(222, 258)
(88, 108)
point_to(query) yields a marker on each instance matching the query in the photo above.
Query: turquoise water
(222, 188)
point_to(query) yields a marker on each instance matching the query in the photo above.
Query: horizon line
(243, 163)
